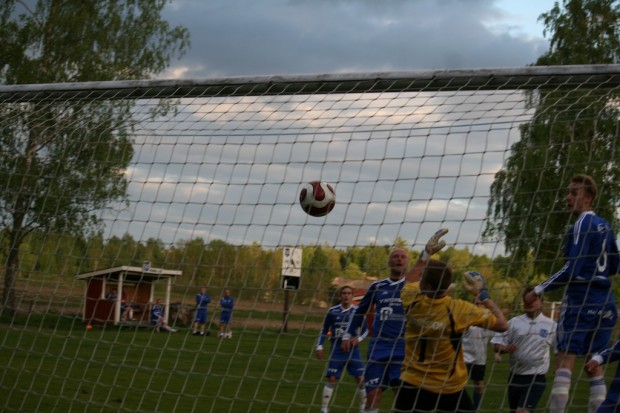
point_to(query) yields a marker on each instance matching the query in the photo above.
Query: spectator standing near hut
(227, 303)
(200, 320)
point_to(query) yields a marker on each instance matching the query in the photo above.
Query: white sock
(559, 391)
(598, 391)
(328, 390)
(361, 392)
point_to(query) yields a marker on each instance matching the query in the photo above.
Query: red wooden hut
(134, 286)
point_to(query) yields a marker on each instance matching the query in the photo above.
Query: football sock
(361, 392)
(559, 391)
(598, 391)
(328, 390)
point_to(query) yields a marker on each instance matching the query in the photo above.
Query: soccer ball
(317, 198)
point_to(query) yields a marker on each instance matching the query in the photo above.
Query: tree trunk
(16, 234)
(10, 277)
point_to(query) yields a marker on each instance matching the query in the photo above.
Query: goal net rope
(157, 188)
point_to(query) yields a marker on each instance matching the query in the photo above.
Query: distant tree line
(250, 269)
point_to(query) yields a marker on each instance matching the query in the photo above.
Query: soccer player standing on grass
(386, 349)
(588, 309)
(226, 305)
(336, 322)
(528, 340)
(202, 301)
(434, 374)
(475, 343)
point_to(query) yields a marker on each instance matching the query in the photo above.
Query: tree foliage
(61, 162)
(571, 131)
(251, 272)
(582, 32)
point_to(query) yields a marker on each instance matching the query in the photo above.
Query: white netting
(212, 193)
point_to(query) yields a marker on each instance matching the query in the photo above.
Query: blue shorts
(382, 374)
(339, 360)
(225, 317)
(585, 331)
(201, 316)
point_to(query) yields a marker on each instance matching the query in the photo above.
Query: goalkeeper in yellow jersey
(434, 374)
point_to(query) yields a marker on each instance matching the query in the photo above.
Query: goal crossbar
(522, 78)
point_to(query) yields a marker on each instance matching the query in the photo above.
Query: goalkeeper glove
(434, 244)
(473, 283)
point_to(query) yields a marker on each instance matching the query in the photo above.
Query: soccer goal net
(129, 207)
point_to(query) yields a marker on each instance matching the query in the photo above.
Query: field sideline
(53, 364)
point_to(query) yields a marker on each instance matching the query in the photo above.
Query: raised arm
(433, 246)
(473, 283)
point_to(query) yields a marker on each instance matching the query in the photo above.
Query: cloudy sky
(272, 37)
(403, 165)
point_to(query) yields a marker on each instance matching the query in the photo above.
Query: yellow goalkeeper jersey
(433, 355)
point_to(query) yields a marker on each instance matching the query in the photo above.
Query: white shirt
(534, 338)
(475, 341)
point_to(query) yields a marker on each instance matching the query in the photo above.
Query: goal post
(201, 178)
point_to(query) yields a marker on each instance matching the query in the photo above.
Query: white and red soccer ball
(317, 198)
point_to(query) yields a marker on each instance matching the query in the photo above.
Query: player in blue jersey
(157, 317)
(588, 312)
(200, 320)
(335, 324)
(226, 305)
(611, 404)
(386, 349)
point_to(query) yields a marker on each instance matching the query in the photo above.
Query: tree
(583, 32)
(318, 271)
(571, 131)
(154, 252)
(61, 162)
(375, 261)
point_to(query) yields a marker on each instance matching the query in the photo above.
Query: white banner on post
(291, 262)
(291, 267)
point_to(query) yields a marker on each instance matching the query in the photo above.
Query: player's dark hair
(588, 183)
(437, 275)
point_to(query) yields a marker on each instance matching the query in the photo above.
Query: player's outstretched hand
(346, 344)
(434, 244)
(473, 283)
(591, 366)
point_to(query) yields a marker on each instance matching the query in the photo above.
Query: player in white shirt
(528, 340)
(475, 341)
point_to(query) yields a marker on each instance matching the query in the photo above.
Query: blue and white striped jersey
(388, 325)
(591, 258)
(336, 322)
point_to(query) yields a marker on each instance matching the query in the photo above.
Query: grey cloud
(269, 37)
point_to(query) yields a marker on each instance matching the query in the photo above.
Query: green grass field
(53, 364)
